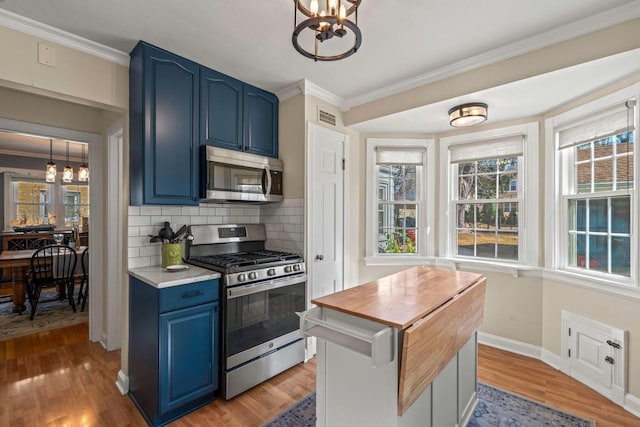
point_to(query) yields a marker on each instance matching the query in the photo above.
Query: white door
(325, 211)
(595, 354)
(588, 353)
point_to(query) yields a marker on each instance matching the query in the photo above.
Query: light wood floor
(59, 378)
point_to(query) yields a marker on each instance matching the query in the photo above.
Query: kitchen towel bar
(363, 336)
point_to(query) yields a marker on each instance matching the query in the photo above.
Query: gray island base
(398, 352)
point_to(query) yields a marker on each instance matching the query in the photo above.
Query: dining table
(19, 263)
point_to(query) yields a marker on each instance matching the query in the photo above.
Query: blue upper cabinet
(236, 115)
(260, 122)
(220, 110)
(164, 94)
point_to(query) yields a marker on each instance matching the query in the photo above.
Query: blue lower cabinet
(174, 348)
(188, 355)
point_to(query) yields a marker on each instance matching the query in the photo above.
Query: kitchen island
(399, 351)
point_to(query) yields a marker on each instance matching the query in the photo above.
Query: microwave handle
(267, 172)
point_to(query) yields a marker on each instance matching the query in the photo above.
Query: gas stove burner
(246, 259)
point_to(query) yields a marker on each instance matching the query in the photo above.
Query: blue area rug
(496, 408)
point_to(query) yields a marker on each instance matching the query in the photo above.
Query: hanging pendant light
(67, 174)
(323, 25)
(50, 172)
(83, 172)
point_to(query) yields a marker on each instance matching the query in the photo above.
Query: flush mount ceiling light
(83, 171)
(325, 24)
(468, 114)
(67, 174)
(50, 172)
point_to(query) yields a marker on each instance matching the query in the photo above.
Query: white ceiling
(403, 41)
(35, 146)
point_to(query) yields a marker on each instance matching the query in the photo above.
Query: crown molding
(307, 87)
(579, 28)
(63, 38)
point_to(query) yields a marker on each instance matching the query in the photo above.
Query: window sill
(594, 283)
(398, 260)
(483, 265)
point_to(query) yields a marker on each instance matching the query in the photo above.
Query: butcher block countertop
(403, 298)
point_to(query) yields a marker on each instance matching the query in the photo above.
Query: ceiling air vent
(326, 117)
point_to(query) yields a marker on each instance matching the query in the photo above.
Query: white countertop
(160, 277)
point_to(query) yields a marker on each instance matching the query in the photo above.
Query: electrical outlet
(46, 55)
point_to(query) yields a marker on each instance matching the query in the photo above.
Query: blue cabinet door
(260, 122)
(220, 110)
(164, 93)
(189, 346)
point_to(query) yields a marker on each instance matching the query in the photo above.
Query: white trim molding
(46, 32)
(584, 26)
(510, 345)
(307, 87)
(122, 383)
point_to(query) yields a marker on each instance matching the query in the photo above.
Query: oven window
(257, 318)
(224, 177)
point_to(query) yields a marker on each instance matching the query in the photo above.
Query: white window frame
(528, 212)
(557, 192)
(425, 195)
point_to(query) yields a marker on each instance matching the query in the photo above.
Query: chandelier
(332, 21)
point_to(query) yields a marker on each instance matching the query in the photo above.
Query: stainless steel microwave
(233, 176)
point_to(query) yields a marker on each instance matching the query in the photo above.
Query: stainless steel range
(261, 292)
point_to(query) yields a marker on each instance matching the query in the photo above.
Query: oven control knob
(288, 269)
(296, 267)
(242, 277)
(271, 272)
(253, 275)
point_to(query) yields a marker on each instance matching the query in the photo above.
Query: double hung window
(596, 160)
(483, 203)
(398, 185)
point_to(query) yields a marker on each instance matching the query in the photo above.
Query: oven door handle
(239, 291)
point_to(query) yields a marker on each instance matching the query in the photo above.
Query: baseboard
(510, 345)
(122, 383)
(632, 404)
(103, 341)
(553, 360)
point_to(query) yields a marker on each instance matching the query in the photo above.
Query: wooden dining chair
(51, 265)
(84, 281)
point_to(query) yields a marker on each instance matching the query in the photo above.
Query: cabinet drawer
(188, 295)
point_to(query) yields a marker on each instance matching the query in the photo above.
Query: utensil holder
(171, 254)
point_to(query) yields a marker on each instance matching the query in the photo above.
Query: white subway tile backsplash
(153, 250)
(150, 210)
(197, 220)
(139, 220)
(214, 220)
(171, 210)
(138, 241)
(284, 222)
(133, 252)
(190, 211)
(139, 262)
